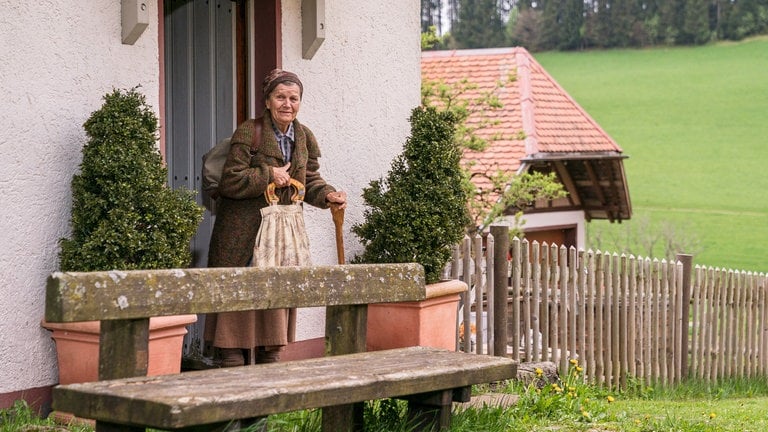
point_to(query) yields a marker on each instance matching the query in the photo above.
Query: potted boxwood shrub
(124, 217)
(417, 214)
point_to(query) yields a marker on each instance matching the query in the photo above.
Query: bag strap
(257, 127)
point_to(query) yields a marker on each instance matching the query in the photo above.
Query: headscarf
(279, 76)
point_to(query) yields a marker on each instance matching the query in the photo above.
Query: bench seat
(220, 395)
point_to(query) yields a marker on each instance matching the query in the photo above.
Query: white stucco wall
(359, 90)
(59, 58)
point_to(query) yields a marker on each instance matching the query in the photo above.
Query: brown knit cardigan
(241, 197)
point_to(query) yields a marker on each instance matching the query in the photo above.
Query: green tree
(671, 18)
(696, 23)
(430, 40)
(623, 17)
(574, 24)
(431, 14)
(123, 214)
(602, 25)
(528, 30)
(479, 25)
(550, 23)
(745, 18)
(562, 24)
(571, 25)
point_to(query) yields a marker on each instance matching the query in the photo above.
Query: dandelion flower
(539, 372)
(712, 415)
(574, 362)
(610, 399)
(586, 414)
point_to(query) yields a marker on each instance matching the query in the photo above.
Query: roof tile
(533, 103)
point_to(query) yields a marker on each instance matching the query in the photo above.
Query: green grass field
(694, 123)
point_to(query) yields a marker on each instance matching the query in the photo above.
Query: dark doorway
(565, 236)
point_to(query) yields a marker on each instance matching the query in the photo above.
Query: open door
(200, 94)
(213, 51)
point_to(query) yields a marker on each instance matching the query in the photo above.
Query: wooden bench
(126, 400)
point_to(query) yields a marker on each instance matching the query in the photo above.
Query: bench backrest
(125, 300)
(118, 295)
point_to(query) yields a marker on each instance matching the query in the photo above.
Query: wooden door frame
(262, 28)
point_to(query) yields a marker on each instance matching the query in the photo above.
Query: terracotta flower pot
(430, 322)
(77, 352)
(77, 347)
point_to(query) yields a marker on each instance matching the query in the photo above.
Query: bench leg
(430, 411)
(112, 427)
(343, 418)
(255, 424)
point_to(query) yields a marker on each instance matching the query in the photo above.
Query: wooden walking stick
(338, 221)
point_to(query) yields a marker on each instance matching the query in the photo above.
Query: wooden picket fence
(622, 317)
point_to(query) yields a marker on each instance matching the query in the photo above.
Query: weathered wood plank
(123, 348)
(111, 295)
(345, 333)
(203, 397)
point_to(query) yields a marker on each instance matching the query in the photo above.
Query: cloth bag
(282, 237)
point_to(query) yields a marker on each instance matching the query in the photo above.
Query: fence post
(687, 261)
(455, 263)
(500, 287)
(466, 248)
(489, 278)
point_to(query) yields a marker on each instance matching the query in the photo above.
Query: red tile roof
(534, 103)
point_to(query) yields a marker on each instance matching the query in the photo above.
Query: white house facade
(60, 57)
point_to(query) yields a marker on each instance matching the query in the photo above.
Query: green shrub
(124, 216)
(419, 211)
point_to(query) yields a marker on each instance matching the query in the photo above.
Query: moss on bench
(111, 295)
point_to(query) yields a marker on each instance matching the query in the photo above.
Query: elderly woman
(272, 149)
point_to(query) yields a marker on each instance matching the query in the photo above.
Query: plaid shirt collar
(285, 140)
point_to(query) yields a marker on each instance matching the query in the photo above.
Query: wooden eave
(595, 181)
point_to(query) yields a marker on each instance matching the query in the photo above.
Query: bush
(419, 211)
(124, 216)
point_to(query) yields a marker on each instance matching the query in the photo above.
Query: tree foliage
(505, 190)
(577, 24)
(479, 25)
(123, 214)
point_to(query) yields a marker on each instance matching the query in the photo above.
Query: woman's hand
(337, 199)
(280, 175)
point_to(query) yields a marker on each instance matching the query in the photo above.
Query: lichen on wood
(107, 295)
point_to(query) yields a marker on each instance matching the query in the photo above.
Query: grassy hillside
(694, 123)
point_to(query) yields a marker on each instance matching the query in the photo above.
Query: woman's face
(284, 103)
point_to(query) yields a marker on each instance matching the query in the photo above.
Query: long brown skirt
(281, 241)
